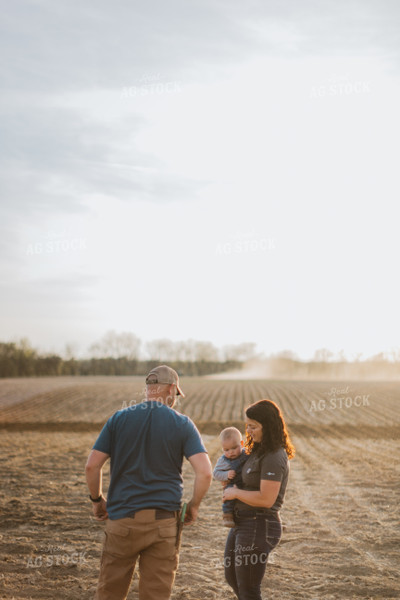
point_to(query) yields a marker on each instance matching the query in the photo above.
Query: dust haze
(290, 369)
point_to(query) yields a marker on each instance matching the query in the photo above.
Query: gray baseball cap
(164, 374)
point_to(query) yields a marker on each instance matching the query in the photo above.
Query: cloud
(194, 117)
(66, 131)
(76, 45)
(54, 156)
(47, 297)
(55, 46)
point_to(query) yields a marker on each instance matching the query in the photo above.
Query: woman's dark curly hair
(274, 432)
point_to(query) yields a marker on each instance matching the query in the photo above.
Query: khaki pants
(148, 536)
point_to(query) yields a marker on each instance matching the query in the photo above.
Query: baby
(229, 467)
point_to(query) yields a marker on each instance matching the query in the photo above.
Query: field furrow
(341, 514)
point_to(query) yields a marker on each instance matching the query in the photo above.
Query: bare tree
(206, 351)
(161, 350)
(395, 354)
(129, 345)
(240, 352)
(322, 355)
(380, 357)
(186, 350)
(341, 357)
(117, 345)
(70, 351)
(288, 354)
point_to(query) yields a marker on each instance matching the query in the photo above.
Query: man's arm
(203, 475)
(94, 478)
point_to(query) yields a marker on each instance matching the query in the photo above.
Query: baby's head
(231, 441)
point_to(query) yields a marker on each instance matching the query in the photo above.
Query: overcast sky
(210, 169)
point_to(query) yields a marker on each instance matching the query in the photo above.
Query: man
(146, 443)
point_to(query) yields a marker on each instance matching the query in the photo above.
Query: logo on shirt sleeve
(270, 473)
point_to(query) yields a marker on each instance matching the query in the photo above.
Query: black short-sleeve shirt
(273, 466)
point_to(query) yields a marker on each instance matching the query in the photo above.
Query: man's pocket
(118, 542)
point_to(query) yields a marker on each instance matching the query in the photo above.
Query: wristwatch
(99, 499)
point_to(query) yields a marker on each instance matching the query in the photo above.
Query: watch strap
(99, 499)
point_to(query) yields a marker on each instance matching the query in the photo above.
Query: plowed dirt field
(341, 515)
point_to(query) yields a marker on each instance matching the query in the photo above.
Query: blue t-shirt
(147, 444)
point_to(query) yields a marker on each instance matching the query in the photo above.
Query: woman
(258, 526)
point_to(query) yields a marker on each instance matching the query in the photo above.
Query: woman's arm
(266, 497)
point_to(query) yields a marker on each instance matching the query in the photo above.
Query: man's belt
(165, 514)
(161, 513)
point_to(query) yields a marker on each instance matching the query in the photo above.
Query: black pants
(246, 551)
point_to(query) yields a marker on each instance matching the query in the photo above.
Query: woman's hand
(229, 493)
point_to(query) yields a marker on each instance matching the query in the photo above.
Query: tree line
(120, 354)
(124, 354)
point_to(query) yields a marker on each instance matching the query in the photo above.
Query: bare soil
(341, 512)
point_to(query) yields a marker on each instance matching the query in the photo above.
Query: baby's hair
(229, 433)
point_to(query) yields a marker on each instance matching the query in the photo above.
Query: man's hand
(94, 467)
(202, 480)
(191, 514)
(231, 474)
(99, 510)
(229, 493)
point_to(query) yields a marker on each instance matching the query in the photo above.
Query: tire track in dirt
(194, 407)
(208, 400)
(291, 404)
(362, 403)
(232, 411)
(44, 498)
(334, 452)
(220, 403)
(207, 407)
(95, 402)
(328, 564)
(186, 404)
(346, 513)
